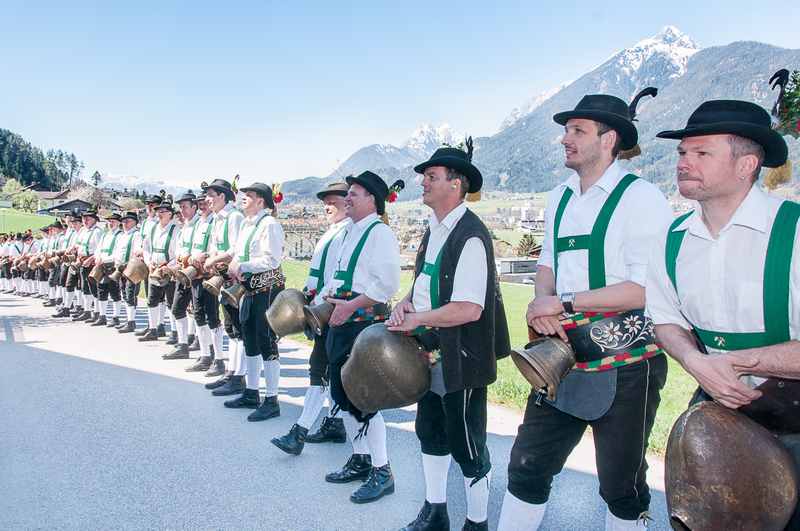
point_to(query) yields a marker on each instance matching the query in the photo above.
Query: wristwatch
(567, 301)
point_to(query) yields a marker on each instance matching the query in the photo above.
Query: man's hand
(718, 375)
(234, 270)
(199, 260)
(399, 313)
(542, 316)
(342, 310)
(409, 323)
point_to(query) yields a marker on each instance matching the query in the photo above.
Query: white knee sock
(477, 498)
(204, 339)
(253, 371)
(152, 317)
(162, 310)
(68, 299)
(103, 307)
(435, 468)
(272, 377)
(192, 327)
(614, 523)
(90, 306)
(312, 405)
(118, 308)
(217, 337)
(240, 355)
(351, 426)
(182, 325)
(173, 323)
(130, 312)
(376, 439)
(517, 515)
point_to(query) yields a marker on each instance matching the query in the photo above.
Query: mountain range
(525, 154)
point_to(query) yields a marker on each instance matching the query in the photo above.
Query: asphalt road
(97, 432)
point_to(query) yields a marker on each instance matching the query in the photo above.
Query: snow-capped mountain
(529, 106)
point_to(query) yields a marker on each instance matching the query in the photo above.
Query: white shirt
(204, 226)
(720, 281)
(14, 248)
(145, 231)
(330, 259)
(185, 239)
(105, 251)
(471, 267)
(156, 245)
(88, 239)
(266, 244)
(642, 213)
(377, 272)
(70, 239)
(235, 218)
(132, 237)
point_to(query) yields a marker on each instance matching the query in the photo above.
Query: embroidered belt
(376, 312)
(261, 282)
(608, 340)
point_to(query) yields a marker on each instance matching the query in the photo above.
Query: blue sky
(183, 91)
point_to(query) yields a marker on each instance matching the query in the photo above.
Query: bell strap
(594, 242)
(776, 283)
(347, 275)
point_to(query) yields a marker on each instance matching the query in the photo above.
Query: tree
(527, 246)
(96, 178)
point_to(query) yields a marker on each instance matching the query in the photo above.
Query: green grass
(17, 221)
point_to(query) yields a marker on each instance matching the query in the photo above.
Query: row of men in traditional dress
(612, 248)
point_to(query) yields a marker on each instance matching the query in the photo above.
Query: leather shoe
(49, 303)
(194, 343)
(233, 386)
(219, 382)
(356, 468)
(292, 442)
(140, 333)
(63, 312)
(150, 335)
(331, 430)
(181, 352)
(379, 484)
(432, 517)
(83, 316)
(162, 332)
(202, 364)
(100, 321)
(127, 328)
(217, 368)
(249, 399)
(469, 525)
(95, 316)
(113, 323)
(173, 338)
(268, 409)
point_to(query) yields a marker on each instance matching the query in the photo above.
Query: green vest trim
(165, 249)
(246, 256)
(594, 242)
(347, 275)
(319, 273)
(777, 271)
(110, 248)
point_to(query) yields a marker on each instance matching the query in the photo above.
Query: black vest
(470, 351)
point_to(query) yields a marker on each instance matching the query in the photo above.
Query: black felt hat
(263, 190)
(605, 109)
(222, 186)
(166, 204)
(458, 160)
(57, 225)
(91, 212)
(187, 196)
(75, 214)
(113, 216)
(375, 186)
(734, 117)
(155, 199)
(130, 214)
(338, 188)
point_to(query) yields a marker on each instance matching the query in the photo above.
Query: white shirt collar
(366, 221)
(607, 182)
(752, 213)
(226, 210)
(450, 219)
(255, 217)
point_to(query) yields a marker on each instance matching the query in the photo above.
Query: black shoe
(140, 333)
(356, 468)
(127, 328)
(95, 316)
(59, 301)
(379, 484)
(331, 430)
(219, 382)
(63, 312)
(194, 343)
(181, 352)
(150, 335)
(113, 323)
(202, 364)
(76, 311)
(432, 517)
(292, 442)
(100, 321)
(268, 409)
(49, 303)
(173, 338)
(233, 386)
(162, 332)
(249, 399)
(83, 316)
(217, 368)
(469, 525)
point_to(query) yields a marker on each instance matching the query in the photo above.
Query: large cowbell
(385, 370)
(725, 471)
(544, 362)
(285, 314)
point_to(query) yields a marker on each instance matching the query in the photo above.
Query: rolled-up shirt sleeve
(469, 282)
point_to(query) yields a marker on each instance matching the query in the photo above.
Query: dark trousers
(159, 294)
(547, 436)
(130, 291)
(180, 300)
(204, 306)
(107, 289)
(88, 285)
(233, 326)
(54, 277)
(259, 339)
(318, 361)
(455, 424)
(338, 344)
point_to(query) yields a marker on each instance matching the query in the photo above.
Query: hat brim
(123, 218)
(380, 202)
(90, 215)
(775, 149)
(228, 193)
(627, 131)
(463, 167)
(321, 195)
